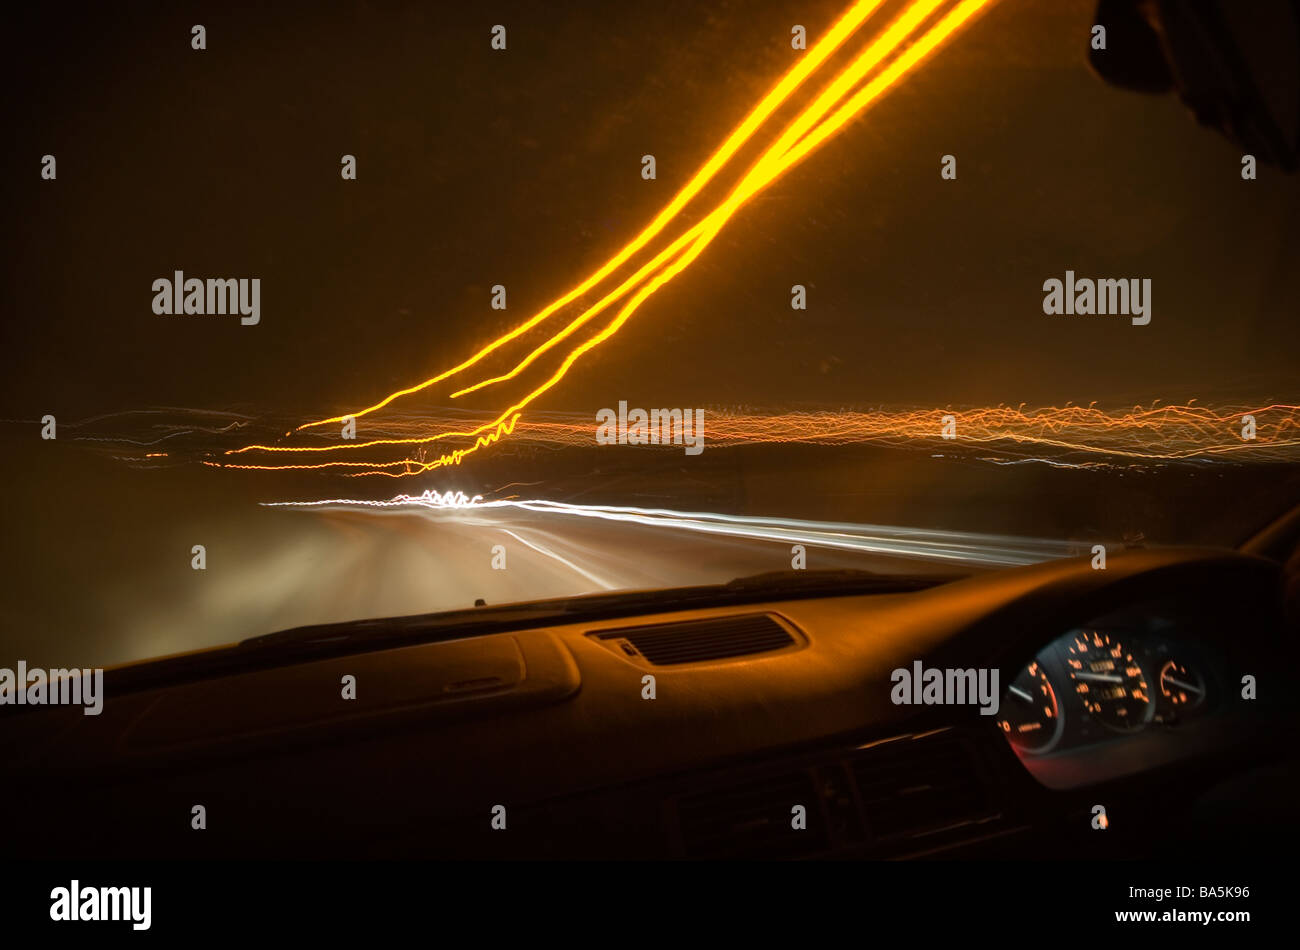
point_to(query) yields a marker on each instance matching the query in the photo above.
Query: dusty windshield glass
(632, 309)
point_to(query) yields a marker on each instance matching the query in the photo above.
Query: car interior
(693, 724)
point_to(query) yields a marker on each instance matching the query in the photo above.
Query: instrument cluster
(1099, 684)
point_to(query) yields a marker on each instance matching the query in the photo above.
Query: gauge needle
(1181, 685)
(1101, 677)
(1022, 694)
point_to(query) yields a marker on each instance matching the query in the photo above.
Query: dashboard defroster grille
(694, 641)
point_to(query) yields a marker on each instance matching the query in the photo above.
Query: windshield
(465, 317)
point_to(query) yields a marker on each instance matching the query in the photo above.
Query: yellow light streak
(764, 171)
(805, 133)
(808, 63)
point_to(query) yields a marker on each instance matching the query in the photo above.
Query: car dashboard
(764, 729)
(1136, 679)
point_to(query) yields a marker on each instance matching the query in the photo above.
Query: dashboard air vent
(693, 641)
(752, 820)
(912, 786)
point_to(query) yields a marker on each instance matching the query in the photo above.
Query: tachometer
(1033, 716)
(1109, 681)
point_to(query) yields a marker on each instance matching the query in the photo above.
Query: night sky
(521, 167)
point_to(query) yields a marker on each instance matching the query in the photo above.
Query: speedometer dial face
(1110, 681)
(1033, 716)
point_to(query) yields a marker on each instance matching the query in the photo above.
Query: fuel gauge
(1181, 686)
(1033, 716)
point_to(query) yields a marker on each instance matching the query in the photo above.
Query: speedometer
(1110, 681)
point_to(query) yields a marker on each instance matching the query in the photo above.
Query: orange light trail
(1068, 436)
(409, 466)
(814, 58)
(805, 133)
(778, 158)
